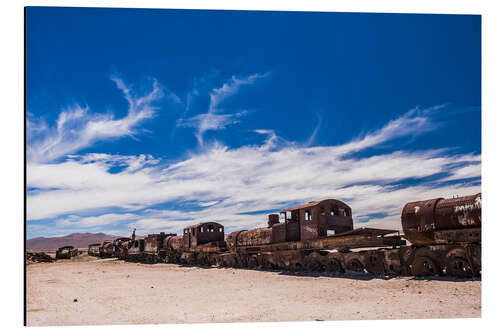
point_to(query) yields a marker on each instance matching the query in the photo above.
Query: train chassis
(461, 261)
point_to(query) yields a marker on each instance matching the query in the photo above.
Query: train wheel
(458, 267)
(334, 266)
(354, 265)
(424, 266)
(241, 261)
(297, 267)
(374, 264)
(267, 262)
(314, 262)
(252, 262)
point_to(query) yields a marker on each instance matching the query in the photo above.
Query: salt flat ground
(89, 291)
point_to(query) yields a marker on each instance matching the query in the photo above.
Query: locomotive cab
(203, 233)
(317, 219)
(136, 246)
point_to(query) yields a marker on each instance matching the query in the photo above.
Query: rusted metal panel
(202, 233)
(255, 237)
(456, 213)
(173, 243)
(422, 219)
(154, 242)
(419, 216)
(279, 233)
(232, 239)
(292, 231)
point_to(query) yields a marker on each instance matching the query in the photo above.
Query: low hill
(78, 240)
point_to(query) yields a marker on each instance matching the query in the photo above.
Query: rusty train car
(120, 247)
(445, 236)
(441, 237)
(93, 249)
(200, 244)
(316, 236)
(66, 252)
(106, 249)
(148, 249)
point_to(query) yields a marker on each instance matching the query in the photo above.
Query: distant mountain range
(78, 240)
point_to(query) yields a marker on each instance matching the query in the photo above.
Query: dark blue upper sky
(352, 72)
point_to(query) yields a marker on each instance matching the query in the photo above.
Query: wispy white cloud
(225, 182)
(77, 128)
(414, 122)
(92, 221)
(214, 118)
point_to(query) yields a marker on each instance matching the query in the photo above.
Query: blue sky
(157, 119)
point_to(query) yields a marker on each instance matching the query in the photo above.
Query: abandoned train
(444, 237)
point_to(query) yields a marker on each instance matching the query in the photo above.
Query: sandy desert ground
(89, 291)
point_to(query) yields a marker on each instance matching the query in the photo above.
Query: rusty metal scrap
(32, 257)
(422, 220)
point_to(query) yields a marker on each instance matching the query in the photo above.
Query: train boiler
(445, 235)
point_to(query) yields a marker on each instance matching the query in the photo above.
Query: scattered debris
(32, 257)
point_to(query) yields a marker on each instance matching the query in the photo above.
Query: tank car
(445, 235)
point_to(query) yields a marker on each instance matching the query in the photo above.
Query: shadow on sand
(362, 276)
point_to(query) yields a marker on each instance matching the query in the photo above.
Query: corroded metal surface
(93, 249)
(106, 249)
(66, 252)
(424, 222)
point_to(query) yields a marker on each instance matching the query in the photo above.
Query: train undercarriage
(351, 254)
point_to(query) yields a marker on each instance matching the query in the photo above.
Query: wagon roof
(314, 203)
(203, 224)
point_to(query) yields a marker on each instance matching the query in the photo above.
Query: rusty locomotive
(441, 237)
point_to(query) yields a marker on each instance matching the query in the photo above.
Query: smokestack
(273, 219)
